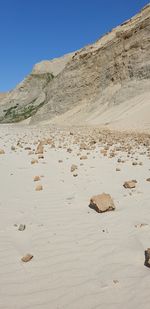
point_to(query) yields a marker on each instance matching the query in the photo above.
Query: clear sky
(35, 30)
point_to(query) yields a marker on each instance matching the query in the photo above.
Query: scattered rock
(2, 151)
(40, 156)
(38, 188)
(73, 168)
(83, 157)
(75, 174)
(140, 225)
(13, 148)
(27, 148)
(28, 257)
(147, 257)
(33, 161)
(83, 146)
(134, 163)
(129, 184)
(21, 227)
(148, 179)
(37, 178)
(69, 150)
(102, 202)
(115, 281)
(118, 169)
(40, 148)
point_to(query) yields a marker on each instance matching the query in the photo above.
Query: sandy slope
(132, 114)
(78, 253)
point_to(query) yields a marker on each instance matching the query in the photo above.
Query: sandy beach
(81, 259)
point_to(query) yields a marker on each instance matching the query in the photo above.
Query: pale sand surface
(78, 253)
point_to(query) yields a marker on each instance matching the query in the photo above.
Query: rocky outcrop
(103, 83)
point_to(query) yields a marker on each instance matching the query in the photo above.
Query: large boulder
(102, 202)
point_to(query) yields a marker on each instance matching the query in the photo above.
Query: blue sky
(35, 30)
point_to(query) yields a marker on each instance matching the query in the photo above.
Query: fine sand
(81, 259)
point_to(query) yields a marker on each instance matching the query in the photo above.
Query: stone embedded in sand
(2, 151)
(115, 281)
(141, 225)
(73, 168)
(21, 227)
(102, 202)
(33, 161)
(60, 161)
(28, 257)
(103, 152)
(27, 148)
(83, 146)
(69, 150)
(118, 169)
(148, 179)
(37, 178)
(40, 148)
(134, 163)
(40, 156)
(83, 157)
(13, 148)
(75, 174)
(129, 184)
(147, 258)
(38, 188)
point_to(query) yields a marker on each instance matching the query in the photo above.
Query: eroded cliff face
(82, 86)
(107, 72)
(24, 101)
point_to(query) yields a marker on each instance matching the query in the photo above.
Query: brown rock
(21, 227)
(148, 179)
(129, 184)
(2, 151)
(83, 146)
(147, 258)
(28, 257)
(37, 178)
(102, 202)
(40, 156)
(75, 174)
(38, 188)
(73, 168)
(40, 148)
(69, 150)
(83, 157)
(134, 163)
(33, 161)
(27, 148)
